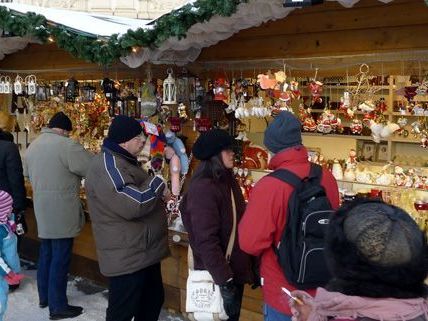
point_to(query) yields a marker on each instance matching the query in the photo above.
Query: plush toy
(178, 146)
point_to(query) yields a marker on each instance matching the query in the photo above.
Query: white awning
(83, 22)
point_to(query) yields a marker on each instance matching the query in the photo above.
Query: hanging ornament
(88, 93)
(203, 124)
(148, 100)
(182, 112)
(356, 127)
(220, 89)
(381, 105)
(169, 89)
(410, 92)
(71, 90)
(175, 124)
(17, 85)
(132, 106)
(5, 86)
(30, 81)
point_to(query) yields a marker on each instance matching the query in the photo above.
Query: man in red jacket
(265, 217)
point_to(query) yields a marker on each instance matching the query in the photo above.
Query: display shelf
(357, 137)
(334, 111)
(384, 87)
(397, 113)
(404, 140)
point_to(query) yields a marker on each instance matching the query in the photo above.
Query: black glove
(21, 224)
(255, 268)
(231, 300)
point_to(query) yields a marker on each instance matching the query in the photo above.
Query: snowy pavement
(23, 304)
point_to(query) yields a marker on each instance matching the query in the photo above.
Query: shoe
(43, 305)
(70, 312)
(13, 287)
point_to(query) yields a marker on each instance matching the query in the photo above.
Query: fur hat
(123, 129)
(376, 250)
(211, 143)
(6, 205)
(284, 132)
(60, 120)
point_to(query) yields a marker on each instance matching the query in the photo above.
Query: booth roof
(201, 35)
(83, 22)
(174, 38)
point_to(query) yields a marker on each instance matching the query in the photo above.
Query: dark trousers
(138, 295)
(53, 266)
(239, 295)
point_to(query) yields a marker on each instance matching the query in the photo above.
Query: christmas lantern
(71, 90)
(132, 106)
(88, 93)
(169, 90)
(30, 81)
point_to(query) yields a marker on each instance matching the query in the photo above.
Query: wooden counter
(174, 268)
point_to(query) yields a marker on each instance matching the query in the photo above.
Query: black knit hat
(123, 128)
(60, 120)
(211, 143)
(376, 250)
(283, 132)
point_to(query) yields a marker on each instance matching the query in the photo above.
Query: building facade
(141, 9)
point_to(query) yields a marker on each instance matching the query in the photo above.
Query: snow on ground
(23, 304)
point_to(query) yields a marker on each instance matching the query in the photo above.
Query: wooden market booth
(390, 37)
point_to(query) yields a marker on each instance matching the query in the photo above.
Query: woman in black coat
(207, 215)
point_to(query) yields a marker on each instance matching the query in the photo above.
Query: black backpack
(301, 249)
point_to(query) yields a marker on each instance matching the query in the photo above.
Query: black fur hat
(376, 250)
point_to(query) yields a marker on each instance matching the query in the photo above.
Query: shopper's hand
(301, 312)
(231, 301)
(21, 224)
(13, 278)
(166, 196)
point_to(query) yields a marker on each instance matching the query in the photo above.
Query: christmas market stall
(354, 72)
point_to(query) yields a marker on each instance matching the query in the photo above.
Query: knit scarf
(334, 304)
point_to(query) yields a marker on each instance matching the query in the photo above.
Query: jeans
(11, 258)
(53, 266)
(137, 295)
(270, 314)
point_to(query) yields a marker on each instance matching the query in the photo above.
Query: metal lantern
(169, 90)
(71, 90)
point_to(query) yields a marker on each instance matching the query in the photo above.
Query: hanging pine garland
(106, 51)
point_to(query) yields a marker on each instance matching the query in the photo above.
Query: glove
(21, 224)
(255, 269)
(231, 300)
(13, 278)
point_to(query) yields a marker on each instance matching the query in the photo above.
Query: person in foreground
(378, 258)
(55, 165)
(207, 213)
(129, 224)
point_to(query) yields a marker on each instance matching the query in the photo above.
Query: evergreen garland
(105, 51)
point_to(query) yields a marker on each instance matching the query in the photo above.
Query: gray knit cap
(383, 234)
(284, 132)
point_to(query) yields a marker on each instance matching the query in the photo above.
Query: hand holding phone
(286, 291)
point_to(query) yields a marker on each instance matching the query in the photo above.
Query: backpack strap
(315, 172)
(287, 177)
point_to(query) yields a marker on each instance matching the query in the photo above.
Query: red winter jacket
(264, 221)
